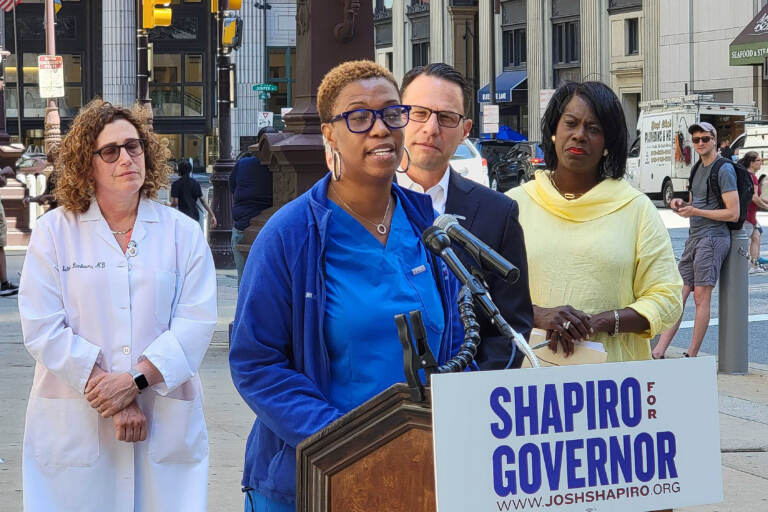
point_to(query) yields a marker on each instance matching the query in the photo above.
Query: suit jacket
(493, 217)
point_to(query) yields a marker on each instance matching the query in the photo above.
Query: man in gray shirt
(709, 238)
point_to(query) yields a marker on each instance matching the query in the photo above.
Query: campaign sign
(601, 437)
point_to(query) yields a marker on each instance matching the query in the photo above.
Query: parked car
(468, 162)
(515, 165)
(531, 158)
(32, 163)
(497, 152)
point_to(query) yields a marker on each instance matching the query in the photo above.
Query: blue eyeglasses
(362, 120)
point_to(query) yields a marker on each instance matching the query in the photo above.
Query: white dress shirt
(438, 193)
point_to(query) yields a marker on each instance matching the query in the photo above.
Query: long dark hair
(748, 158)
(606, 107)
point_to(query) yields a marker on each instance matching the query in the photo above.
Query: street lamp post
(52, 119)
(221, 235)
(142, 64)
(264, 6)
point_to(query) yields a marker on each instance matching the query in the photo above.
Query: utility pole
(52, 119)
(148, 15)
(221, 235)
(492, 81)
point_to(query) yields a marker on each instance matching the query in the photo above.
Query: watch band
(139, 379)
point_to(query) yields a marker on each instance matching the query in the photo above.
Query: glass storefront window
(10, 69)
(194, 148)
(173, 141)
(73, 71)
(30, 68)
(193, 100)
(71, 102)
(193, 68)
(11, 102)
(166, 68)
(281, 71)
(187, 146)
(34, 105)
(166, 100)
(171, 96)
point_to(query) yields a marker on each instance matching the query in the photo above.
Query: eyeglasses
(362, 120)
(111, 152)
(705, 139)
(445, 118)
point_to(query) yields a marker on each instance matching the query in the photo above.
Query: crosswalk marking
(688, 324)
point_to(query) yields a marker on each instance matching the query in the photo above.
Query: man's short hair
(445, 72)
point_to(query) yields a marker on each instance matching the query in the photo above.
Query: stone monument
(326, 35)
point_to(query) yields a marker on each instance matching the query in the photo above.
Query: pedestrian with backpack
(714, 207)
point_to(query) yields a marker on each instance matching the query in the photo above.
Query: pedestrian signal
(154, 16)
(231, 32)
(234, 5)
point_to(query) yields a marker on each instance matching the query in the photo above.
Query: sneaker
(762, 261)
(7, 289)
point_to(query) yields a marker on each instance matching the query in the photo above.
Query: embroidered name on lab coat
(67, 268)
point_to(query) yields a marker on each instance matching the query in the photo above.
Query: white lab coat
(82, 299)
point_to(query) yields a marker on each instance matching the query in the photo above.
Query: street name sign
(612, 436)
(50, 76)
(265, 88)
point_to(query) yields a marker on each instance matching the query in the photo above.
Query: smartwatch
(139, 379)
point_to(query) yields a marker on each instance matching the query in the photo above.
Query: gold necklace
(380, 227)
(568, 195)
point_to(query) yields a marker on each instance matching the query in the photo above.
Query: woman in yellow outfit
(600, 259)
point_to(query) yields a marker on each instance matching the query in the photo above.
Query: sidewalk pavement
(743, 416)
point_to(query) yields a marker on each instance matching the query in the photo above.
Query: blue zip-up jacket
(278, 356)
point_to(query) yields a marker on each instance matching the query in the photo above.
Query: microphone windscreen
(445, 220)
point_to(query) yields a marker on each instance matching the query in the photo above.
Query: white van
(661, 158)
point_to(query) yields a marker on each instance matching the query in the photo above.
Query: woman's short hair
(748, 158)
(76, 186)
(606, 107)
(341, 76)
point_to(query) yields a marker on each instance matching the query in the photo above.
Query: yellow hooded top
(606, 250)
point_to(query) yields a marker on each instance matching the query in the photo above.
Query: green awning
(751, 46)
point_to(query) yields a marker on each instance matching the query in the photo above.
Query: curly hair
(341, 76)
(75, 187)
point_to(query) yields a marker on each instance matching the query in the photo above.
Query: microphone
(439, 243)
(480, 251)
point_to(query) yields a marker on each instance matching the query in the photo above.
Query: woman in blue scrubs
(314, 333)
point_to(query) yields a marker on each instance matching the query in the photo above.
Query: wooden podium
(379, 456)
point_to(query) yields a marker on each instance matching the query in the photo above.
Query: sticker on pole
(600, 437)
(51, 76)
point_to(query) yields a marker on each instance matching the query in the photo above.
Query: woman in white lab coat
(118, 305)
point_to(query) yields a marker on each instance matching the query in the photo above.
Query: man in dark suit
(440, 97)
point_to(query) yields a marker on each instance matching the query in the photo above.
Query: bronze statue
(345, 31)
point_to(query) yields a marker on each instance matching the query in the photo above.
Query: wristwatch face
(140, 380)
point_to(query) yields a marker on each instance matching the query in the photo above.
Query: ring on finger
(567, 325)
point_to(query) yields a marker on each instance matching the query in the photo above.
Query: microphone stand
(474, 291)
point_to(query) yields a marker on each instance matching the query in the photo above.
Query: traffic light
(154, 16)
(231, 32)
(234, 5)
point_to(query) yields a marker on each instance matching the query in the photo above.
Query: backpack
(744, 187)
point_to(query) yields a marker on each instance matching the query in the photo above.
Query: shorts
(702, 260)
(750, 228)
(3, 227)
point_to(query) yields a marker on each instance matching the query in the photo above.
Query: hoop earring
(408, 153)
(336, 165)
